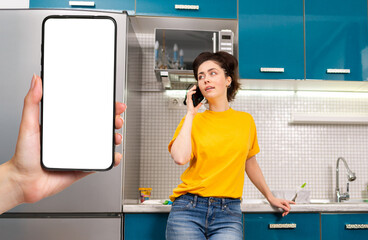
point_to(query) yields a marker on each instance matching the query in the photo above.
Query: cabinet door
(344, 226)
(93, 4)
(151, 226)
(271, 42)
(301, 226)
(60, 228)
(336, 39)
(188, 8)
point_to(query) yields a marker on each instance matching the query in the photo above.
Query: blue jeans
(199, 218)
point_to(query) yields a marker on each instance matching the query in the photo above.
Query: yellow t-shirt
(221, 143)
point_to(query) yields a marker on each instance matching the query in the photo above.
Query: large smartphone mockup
(78, 103)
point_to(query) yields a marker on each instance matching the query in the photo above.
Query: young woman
(220, 145)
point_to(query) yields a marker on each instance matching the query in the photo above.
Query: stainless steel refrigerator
(92, 207)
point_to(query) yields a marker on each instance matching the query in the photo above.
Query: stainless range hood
(175, 79)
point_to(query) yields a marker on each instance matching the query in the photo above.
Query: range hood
(174, 79)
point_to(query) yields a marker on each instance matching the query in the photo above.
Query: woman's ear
(228, 81)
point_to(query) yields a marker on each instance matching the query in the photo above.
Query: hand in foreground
(281, 203)
(22, 179)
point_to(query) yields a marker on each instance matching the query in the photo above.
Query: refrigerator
(92, 207)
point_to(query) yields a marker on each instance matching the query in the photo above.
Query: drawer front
(301, 226)
(188, 8)
(344, 226)
(145, 226)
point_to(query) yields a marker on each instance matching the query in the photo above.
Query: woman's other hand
(281, 203)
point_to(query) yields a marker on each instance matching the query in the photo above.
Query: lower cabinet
(344, 226)
(150, 226)
(272, 226)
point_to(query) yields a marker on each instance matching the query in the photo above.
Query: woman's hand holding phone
(191, 109)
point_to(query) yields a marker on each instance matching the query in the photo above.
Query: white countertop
(262, 207)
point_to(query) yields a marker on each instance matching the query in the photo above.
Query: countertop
(261, 207)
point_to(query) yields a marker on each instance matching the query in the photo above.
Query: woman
(221, 145)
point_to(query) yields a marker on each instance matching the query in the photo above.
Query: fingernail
(125, 105)
(33, 81)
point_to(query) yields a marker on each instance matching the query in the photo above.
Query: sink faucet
(351, 177)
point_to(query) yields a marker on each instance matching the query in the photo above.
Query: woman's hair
(227, 62)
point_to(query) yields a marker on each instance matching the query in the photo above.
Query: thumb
(31, 109)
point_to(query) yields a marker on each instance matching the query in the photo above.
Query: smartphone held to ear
(197, 97)
(78, 102)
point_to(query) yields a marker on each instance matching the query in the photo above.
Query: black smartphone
(78, 102)
(197, 97)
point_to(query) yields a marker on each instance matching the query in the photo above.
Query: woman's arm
(182, 146)
(255, 175)
(181, 149)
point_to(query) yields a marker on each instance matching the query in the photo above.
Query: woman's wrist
(269, 196)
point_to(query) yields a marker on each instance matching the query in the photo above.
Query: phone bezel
(114, 90)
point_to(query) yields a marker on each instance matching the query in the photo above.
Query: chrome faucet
(351, 177)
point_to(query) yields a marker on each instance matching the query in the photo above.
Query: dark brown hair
(227, 62)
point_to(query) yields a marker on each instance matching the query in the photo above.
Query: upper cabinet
(188, 8)
(127, 5)
(336, 40)
(271, 44)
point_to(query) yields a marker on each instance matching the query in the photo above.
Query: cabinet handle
(186, 7)
(81, 3)
(272, 70)
(282, 226)
(339, 71)
(356, 226)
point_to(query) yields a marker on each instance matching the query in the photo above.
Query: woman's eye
(200, 77)
(213, 73)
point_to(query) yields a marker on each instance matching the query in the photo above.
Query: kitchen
(294, 147)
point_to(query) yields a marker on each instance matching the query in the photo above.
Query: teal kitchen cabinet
(128, 5)
(344, 226)
(150, 226)
(336, 40)
(188, 8)
(272, 226)
(271, 42)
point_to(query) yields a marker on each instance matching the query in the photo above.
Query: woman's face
(212, 81)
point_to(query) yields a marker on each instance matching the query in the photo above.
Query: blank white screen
(78, 93)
